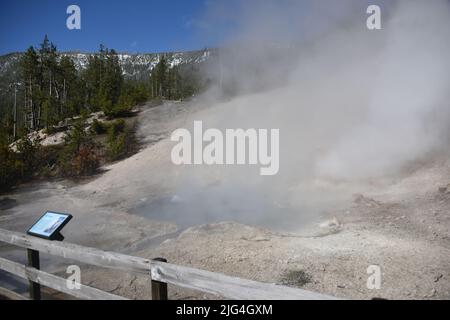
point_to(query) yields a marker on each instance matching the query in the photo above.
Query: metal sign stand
(33, 256)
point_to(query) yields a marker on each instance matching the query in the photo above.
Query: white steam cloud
(351, 104)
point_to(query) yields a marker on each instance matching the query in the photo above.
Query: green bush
(116, 127)
(81, 162)
(120, 140)
(17, 165)
(78, 158)
(28, 156)
(65, 161)
(8, 172)
(85, 162)
(103, 103)
(116, 147)
(131, 94)
(120, 110)
(99, 127)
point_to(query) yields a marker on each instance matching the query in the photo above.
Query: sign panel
(49, 225)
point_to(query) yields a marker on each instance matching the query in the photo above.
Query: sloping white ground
(401, 224)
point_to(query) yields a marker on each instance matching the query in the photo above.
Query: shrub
(120, 110)
(81, 162)
(18, 165)
(99, 127)
(8, 172)
(116, 127)
(78, 158)
(104, 103)
(65, 161)
(27, 156)
(85, 162)
(116, 147)
(120, 141)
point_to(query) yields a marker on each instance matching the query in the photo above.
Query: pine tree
(48, 104)
(70, 90)
(160, 73)
(30, 73)
(104, 80)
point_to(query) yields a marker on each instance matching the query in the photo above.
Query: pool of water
(194, 208)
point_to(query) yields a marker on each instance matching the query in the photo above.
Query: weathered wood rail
(161, 273)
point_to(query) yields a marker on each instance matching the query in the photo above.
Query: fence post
(159, 289)
(33, 261)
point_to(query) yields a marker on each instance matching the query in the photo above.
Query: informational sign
(49, 225)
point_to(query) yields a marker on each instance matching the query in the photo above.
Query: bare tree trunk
(63, 97)
(32, 121)
(153, 96)
(15, 112)
(25, 106)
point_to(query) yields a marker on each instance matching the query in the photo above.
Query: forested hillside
(87, 98)
(42, 86)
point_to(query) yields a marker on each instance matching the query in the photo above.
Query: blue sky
(127, 26)
(139, 26)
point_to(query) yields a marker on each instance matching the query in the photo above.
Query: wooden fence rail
(160, 272)
(54, 282)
